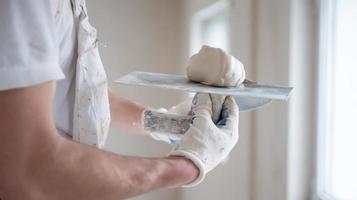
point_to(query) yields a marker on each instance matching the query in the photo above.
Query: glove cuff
(199, 164)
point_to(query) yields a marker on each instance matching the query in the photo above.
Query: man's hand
(206, 143)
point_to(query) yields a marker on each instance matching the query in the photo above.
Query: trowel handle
(165, 123)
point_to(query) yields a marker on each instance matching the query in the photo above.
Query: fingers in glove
(202, 105)
(217, 104)
(229, 115)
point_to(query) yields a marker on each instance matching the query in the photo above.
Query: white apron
(91, 108)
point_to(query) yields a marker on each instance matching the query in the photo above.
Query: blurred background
(301, 149)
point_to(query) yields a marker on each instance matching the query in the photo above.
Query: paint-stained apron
(91, 117)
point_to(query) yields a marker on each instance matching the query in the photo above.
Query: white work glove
(205, 143)
(183, 109)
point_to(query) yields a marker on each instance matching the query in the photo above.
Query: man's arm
(125, 114)
(37, 163)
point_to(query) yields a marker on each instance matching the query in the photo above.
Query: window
(337, 140)
(210, 26)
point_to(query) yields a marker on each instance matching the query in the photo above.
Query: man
(54, 112)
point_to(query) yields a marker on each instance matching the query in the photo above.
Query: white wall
(140, 35)
(303, 106)
(271, 131)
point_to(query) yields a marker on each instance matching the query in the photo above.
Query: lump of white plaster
(213, 66)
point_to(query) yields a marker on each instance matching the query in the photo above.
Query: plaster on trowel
(249, 96)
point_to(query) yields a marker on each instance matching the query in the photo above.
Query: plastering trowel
(249, 96)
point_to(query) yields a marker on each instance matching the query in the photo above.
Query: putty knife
(249, 96)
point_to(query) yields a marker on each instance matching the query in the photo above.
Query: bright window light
(337, 155)
(215, 31)
(210, 26)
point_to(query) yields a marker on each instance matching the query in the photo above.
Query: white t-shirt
(38, 43)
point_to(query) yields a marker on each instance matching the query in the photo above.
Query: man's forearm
(125, 114)
(37, 163)
(69, 170)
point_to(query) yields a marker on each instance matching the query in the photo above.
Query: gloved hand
(183, 109)
(205, 143)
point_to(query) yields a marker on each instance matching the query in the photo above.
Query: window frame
(202, 15)
(327, 17)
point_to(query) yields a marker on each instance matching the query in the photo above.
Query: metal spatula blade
(180, 82)
(246, 104)
(249, 96)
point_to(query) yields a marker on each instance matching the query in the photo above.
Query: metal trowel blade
(249, 95)
(246, 104)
